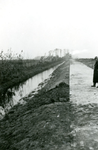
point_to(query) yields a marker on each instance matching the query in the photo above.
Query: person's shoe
(92, 85)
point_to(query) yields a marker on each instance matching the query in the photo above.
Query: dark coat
(95, 76)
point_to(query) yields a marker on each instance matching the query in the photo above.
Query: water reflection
(23, 89)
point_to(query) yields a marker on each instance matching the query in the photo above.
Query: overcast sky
(37, 26)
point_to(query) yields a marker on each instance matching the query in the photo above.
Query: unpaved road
(49, 121)
(84, 99)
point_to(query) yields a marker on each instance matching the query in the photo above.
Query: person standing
(95, 74)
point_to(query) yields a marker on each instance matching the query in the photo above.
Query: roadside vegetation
(44, 122)
(15, 69)
(87, 61)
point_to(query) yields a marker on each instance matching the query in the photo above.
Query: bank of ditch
(44, 122)
(21, 73)
(87, 61)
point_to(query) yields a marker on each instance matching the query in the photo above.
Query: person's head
(96, 58)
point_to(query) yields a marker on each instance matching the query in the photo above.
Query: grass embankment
(87, 61)
(13, 74)
(43, 123)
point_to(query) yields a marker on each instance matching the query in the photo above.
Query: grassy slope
(87, 61)
(27, 73)
(42, 124)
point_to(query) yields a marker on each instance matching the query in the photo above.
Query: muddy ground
(44, 122)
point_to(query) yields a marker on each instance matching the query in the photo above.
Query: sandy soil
(81, 79)
(84, 99)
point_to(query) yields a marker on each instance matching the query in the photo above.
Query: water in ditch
(23, 89)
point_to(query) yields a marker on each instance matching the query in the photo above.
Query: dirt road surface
(84, 99)
(49, 121)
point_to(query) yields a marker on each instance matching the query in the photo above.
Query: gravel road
(84, 99)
